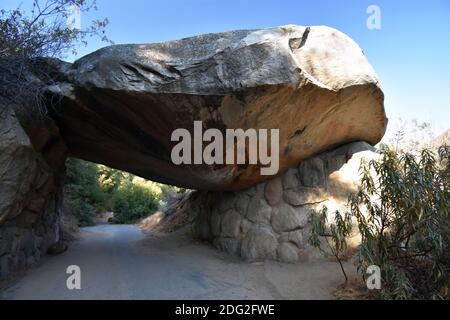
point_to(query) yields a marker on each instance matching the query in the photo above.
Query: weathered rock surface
(121, 103)
(279, 230)
(57, 248)
(30, 193)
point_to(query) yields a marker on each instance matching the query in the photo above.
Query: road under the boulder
(121, 262)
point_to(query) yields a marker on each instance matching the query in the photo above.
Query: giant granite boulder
(121, 104)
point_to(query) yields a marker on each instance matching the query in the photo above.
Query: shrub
(335, 234)
(92, 188)
(82, 182)
(402, 211)
(83, 190)
(86, 214)
(132, 202)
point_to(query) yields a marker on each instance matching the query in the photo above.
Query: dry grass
(177, 216)
(355, 289)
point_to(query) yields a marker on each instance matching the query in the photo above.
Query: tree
(82, 190)
(402, 209)
(335, 234)
(27, 37)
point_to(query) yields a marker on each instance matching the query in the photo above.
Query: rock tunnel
(120, 105)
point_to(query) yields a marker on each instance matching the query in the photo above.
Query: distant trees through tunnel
(91, 189)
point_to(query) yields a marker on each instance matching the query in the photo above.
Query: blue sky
(411, 52)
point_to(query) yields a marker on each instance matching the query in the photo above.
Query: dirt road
(120, 262)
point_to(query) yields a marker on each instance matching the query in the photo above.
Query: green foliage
(86, 214)
(28, 36)
(402, 209)
(83, 190)
(110, 179)
(334, 234)
(132, 202)
(92, 188)
(82, 181)
(44, 31)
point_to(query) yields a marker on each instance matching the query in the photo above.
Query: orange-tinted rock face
(121, 104)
